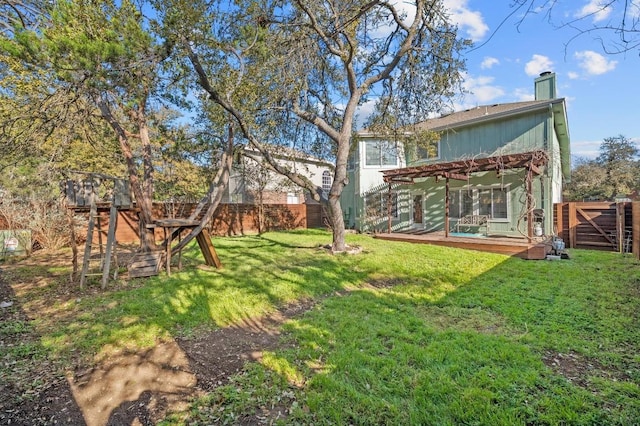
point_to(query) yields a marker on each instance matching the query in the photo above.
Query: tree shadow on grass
(476, 354)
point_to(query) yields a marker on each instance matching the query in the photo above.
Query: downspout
(548, 216)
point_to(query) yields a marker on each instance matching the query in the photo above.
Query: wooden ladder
(110, 253)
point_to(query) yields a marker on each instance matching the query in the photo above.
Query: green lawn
(402, 334)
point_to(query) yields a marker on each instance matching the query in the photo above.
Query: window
(379, 153)
(427, 150)
(376, 205)
(484, 201)
(326, 183)
(493, 202)
(460, 203)
(292, 198)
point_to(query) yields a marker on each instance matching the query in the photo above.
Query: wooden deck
(518, 247)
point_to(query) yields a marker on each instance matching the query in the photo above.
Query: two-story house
(505, 163)
(252, 181)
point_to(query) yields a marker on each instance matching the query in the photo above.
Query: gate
(597, 225)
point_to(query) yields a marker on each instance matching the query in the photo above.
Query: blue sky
(602, 90)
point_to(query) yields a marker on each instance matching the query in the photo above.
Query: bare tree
(614, 24)
(298, 64)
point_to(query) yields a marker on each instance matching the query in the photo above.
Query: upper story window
(428, 150)
(326, 183)
(292, 198)
(380, 153)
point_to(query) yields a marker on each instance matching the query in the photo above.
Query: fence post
(559, 222)
(573, 223)
(635, 226)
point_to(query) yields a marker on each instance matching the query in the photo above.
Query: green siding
(519, 134)
(533, 130)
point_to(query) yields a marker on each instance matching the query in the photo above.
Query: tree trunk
(337, 224)
(340, 179)
(143, 201)
(148, 242)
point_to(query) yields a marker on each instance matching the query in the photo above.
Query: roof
(288, 154)
(460, 169)
(485, 113)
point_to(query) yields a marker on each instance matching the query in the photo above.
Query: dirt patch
(132, 388)
(33, 390)
(219, 354)
(578, 370)
(129, 388)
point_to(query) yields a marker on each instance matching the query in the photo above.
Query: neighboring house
(252, 181)
(504, 162)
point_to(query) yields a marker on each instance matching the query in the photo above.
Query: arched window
(326, 183)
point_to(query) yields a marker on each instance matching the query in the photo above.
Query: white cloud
(481, 90)
(594, 63)
(599, 10)
(363, 112)
(468, 20)
(488, 62)
(538, 64)
(573, 75)
(523, 94)
(585, 149)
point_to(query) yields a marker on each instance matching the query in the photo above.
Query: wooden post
(99, 231)
(573, 225)
(74, 244)
(529, 186)
(559, 219)
(167, 238)
(93, 211)
(111, 242)
(208, 251)
(446, 208)
(389, 210)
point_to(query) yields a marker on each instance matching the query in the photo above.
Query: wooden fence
(599, 225)
(228, 220)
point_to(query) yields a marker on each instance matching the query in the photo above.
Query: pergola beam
(456, 169)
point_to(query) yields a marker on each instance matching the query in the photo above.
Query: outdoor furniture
(476, 221)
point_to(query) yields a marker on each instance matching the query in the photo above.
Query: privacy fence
(599, 225)
(228, 220)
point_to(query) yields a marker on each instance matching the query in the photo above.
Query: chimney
(545, 86)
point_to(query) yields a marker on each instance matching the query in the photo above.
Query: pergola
(461, 170)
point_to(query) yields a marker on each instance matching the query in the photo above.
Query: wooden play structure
(95, 194)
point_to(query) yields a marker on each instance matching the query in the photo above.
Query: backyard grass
(400, 334)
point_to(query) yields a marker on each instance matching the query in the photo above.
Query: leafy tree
(283, 67)
(100, 52)
(615, 171)
(98, 59)
(618, 157)
(587, 181)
